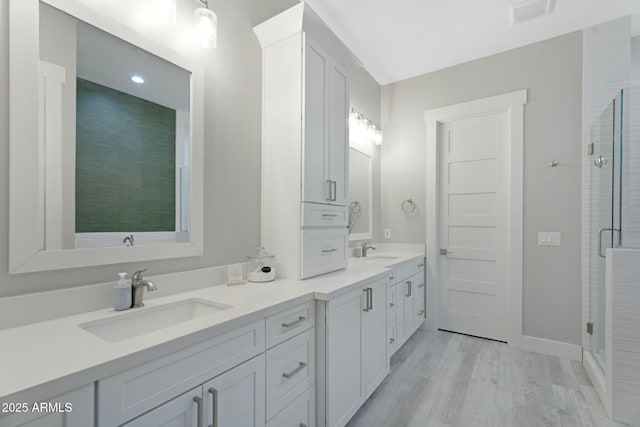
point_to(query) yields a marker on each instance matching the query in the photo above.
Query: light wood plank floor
(449, 380)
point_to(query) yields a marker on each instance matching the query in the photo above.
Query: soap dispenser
(122, 293)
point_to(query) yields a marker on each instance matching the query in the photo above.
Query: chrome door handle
(214, 407)
(600, 239)
(198, 401)
(303, 425)
(391, 340)
(335, 191)
(445, 252)
(300, 367)
(391, 277)
(329, 215)
(370, 298)
(366, 299)
(329, 197)
(294, 323)
(408, 294)
(391, 305)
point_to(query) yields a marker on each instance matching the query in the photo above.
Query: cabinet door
(344, 382)
(181, 411)
(409, 289)
(338, 133)
(374, 325)
(237, 397)
(401, 299)
(316, 185)
(419, 302)
(76, 410)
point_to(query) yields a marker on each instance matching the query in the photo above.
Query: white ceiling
(398, 39)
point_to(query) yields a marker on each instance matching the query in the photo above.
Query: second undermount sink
(380, 256)
(145, 320)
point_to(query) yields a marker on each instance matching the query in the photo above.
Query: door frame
(513, 104)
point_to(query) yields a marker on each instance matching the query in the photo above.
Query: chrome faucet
(138, 284)
(365, 247)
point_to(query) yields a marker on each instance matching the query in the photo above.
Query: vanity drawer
(317, 215)
(128, 394)
(419, 265)
(323, 251)
(404, 271)
(301, 412)
(290, 371)
(289, 323)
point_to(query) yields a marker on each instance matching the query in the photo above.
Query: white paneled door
(473, 226)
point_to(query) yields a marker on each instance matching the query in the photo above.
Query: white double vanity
(284, 353)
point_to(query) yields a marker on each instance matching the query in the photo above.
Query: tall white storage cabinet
(305, 103)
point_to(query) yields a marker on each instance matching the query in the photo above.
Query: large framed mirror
(360, 194)
(106, 141)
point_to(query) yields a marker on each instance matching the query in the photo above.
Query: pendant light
(206, 26)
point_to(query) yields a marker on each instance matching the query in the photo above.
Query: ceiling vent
(530, 9)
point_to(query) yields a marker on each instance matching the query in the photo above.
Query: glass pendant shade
(206, 27)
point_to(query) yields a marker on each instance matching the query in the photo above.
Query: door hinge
(590, 328)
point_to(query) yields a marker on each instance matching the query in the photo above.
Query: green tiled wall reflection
(125, 162)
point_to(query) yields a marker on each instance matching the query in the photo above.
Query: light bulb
(378, 138)
(206, 27)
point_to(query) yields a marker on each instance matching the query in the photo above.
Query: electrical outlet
(387, 233)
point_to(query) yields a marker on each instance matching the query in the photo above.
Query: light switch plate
(549, 238)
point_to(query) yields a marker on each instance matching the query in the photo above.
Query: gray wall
(552, 71)
(365, 97)
(232, 150)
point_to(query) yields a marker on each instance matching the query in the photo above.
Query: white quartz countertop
(57, 355)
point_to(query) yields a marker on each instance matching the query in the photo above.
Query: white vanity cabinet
(235, 398)
(156, 383)
(353, 358)
(73, 409)
(305, 80)
(409, 305)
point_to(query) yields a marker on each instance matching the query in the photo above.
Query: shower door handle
(600, 239)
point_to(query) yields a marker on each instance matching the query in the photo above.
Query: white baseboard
(552, 348)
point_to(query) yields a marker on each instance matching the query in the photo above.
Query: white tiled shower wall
(606, 69)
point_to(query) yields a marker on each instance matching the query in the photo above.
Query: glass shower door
(605, 212)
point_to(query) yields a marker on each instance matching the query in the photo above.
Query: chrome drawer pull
(391, 277)
(214, 408)
(300, 367)
(294, 323)
(391, 305)
(198, 401)
(329, 215)
(391, 340)
(421, 285)
(421, 312)
(303, 425)
(326, 251)
(420, 265)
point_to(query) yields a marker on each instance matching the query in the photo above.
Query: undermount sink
(140, 321)
(376, 256)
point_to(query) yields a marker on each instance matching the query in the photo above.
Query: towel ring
(408, 206)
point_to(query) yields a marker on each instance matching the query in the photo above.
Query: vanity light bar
(372, 132)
